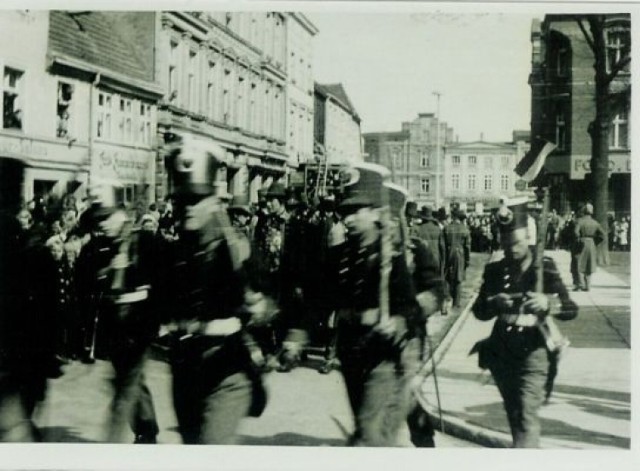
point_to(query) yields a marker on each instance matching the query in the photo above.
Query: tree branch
(586, 34)
(616, 68)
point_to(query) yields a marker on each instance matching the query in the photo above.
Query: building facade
(300, 99)
(337, 125)
(225, 81)
(79, 101)
(477, 174)
(414, 155)
(563, 106)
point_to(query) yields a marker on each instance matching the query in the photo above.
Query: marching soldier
(518, 351)
(210, 304)
(376, 309)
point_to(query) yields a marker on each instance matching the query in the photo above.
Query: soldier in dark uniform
(430, 231)
(589, 234)
(117, 272)
(517, 352)
(210, 303)
(457, 241)
(376, 308)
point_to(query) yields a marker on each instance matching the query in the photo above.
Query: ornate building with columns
(225, 76)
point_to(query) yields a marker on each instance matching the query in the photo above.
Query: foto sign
(581, 165)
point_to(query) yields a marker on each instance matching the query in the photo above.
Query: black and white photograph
(311, 235)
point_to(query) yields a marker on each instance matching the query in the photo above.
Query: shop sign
(127, 166)
(18, 146)
(581, 165)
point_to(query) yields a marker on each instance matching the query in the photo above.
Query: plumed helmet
(192, 164)
(363, 185)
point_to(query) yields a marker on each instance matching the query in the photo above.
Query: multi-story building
(79, 100)
(337, 124)
(300, 34)
(563, 106)
(225, 77)
(106, 93)
(477, 174)
(414, 156)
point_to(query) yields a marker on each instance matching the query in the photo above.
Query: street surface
(305, 408)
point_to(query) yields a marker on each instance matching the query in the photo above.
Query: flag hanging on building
(530, 165)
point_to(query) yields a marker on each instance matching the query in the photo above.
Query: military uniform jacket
(356, 285)
(457, 241)
(431, 233)
(502, 277)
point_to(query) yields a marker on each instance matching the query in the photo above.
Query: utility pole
(437, 185)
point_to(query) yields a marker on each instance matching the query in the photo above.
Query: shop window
(12, 96)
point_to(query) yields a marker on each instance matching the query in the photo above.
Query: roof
(93, 37)
(336, 90)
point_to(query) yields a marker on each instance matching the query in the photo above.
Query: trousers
(522, 383)
(376, 375)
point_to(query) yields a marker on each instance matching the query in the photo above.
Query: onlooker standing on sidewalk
(457, 241)
(589, 234)
(516, 352)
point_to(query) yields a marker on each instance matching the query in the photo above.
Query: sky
(391, 63)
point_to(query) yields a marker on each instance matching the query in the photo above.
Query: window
(226, 97)
(192, 91)
(424, 159)
(455, 182)
(425, 185)
(488, 162)
(63, 113)
(173, 73)
(473, 160)
(455, 161)
(12, 96)
(104, 116)
(211, 91)
(504, 182)
(144, 134)
(562, 62)
(487, 182)
(396, 158)
(619, 132)
(505, 161)
(472, 182)
(618, 47)
(560, 131)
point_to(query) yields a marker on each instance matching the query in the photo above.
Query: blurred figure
(457, 253)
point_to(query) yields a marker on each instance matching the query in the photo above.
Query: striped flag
(529, 167)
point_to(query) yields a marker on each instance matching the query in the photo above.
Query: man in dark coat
(517, 352)
(457, 241)
(589, 234)
(431, 233)
(372, 334)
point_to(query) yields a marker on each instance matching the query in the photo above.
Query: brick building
(563, 106)
(413, 156)
(337, 124)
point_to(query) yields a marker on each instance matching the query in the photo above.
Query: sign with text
(123, 164)
(581, 165)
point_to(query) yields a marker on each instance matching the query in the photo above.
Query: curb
(452, 425)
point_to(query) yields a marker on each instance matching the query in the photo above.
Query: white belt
(367, 317)
(221, 327)
(133, 297)
(520, 320)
